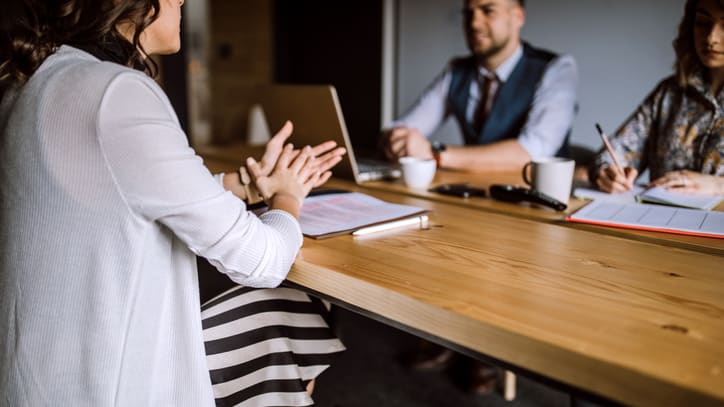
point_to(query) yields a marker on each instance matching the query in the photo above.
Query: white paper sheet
(330, 214)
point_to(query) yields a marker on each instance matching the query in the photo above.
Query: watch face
(438, 147)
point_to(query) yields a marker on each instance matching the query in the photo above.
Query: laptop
(317, 117)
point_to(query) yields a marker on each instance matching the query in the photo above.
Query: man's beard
(493, 50)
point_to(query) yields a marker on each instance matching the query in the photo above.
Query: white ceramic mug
(416, 172)
(552, 176)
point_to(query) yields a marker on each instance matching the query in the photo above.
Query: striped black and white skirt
(263, 346)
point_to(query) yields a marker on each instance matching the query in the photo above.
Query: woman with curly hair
(104, 207)
(678, 131)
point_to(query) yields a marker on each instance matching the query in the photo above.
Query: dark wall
(173, 72)
(339, 43)
(174, 78)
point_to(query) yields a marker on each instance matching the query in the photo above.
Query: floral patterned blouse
(673, 129)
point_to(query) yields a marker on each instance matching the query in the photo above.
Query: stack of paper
(341, 213)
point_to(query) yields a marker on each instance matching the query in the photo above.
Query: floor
(370, 373)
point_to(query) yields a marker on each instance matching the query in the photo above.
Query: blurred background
(380, 54)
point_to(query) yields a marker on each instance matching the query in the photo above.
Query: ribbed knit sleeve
(162, 180)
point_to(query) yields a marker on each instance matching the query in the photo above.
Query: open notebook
(317, 117)
(649, 217)
(655, 195)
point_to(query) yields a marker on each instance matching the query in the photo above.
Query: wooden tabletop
(637, 322)
(539, 213)
(226, 158)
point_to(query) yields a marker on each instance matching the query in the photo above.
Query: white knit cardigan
(103, 206)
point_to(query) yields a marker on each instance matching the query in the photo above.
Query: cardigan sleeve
(163, 181)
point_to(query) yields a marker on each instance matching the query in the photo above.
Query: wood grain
(643, 326)
(222, 158)
(542, 214)
(637, 321)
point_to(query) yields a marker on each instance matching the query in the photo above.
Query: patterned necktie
(487, 94)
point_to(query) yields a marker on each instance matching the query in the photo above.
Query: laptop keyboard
(371, 169)
(372, 165)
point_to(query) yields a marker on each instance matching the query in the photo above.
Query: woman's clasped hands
(284, 172)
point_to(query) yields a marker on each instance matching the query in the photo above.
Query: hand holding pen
(614, 178)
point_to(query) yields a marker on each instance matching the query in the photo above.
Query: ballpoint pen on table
(420, 220)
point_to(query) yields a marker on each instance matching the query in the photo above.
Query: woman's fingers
(337, 152)
(611, 186)
(282, 135)
(606, 179)
(254, 169)
(325, 164)
(692, 182)
(612, 181)
(312, 181)
(288, 154)
(262, 182)
(322, 179)
(274, 148)
(673, 179)
(631, 174)
(303, 160)
(322, 148)
(687, 181)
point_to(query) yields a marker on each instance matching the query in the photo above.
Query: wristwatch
(437, 149)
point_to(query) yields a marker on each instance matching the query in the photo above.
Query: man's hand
(405, 142)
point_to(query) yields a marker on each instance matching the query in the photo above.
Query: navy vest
(513, 99)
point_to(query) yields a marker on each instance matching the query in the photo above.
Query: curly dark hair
(32, 30)
(687, 61)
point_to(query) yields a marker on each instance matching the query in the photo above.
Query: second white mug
(552, 176)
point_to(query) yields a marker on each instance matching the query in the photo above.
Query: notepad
(335, 214)
(656, 195)
(671, 197)
(651, 217)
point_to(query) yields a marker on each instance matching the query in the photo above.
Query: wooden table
(538, 213)
(633, 321)
(636, 322)
(221, 158)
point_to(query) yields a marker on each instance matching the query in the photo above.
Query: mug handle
(525, 173)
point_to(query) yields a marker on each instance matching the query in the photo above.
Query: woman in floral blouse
(678, 131)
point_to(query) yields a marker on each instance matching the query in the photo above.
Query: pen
(616, 164)
(417, 220)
